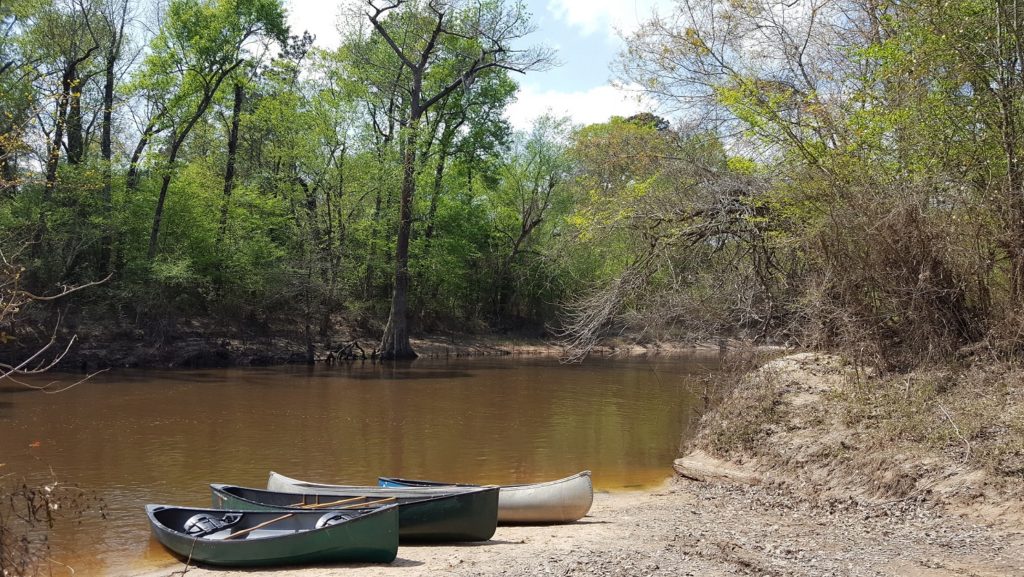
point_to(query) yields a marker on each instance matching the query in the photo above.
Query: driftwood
(699, 466)
(349, 352)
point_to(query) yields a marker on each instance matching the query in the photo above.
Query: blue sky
(585, 33)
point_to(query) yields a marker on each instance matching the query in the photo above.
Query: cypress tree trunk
(395, 343)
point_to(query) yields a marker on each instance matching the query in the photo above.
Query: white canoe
(559, 501)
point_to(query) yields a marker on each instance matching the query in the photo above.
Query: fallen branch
(699, 466)
(956, 429)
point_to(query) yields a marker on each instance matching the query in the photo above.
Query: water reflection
(160, 436)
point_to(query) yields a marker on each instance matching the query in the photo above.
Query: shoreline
(200, 351)
(710, 530)
(773, 499)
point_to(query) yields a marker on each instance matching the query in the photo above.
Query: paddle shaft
(283, 517)
(260, 526)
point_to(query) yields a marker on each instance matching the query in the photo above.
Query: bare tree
(444, 45)
(13, 299)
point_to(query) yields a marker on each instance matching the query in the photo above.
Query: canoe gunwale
(416, 498)
(520, 486)
(564, 500)
(152, 509)
(365, 536)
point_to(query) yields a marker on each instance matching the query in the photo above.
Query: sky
(586, 35)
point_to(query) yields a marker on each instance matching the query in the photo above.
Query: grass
(973, 416)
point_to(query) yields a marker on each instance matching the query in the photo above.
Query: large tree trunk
(1015, 191)
(229, 172)
(165, 184)
(395, 343)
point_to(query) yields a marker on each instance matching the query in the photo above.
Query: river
(136, 437)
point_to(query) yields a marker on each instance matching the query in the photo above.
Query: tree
(441, 46)
(116, 19)
(17, 99)
(60, 38)
(200, 44)
(672, 235)
(890, 135)
(533, 192)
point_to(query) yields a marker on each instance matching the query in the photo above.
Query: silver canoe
(559, 501)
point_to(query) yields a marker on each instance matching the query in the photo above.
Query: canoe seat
(202, 525)
(332, 518)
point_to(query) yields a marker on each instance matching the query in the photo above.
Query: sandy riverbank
(712, 530)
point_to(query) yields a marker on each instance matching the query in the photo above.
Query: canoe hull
(559, 501)
(460, 515)
(368, 538)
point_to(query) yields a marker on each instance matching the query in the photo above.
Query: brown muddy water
(137, 437)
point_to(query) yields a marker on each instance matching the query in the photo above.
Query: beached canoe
(256, 539)
(560, 501)
(442, 514)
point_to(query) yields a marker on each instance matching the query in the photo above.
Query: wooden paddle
(260, 526)
(282, 517)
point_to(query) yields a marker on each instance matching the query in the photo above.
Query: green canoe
(457, 514)
(261, 538)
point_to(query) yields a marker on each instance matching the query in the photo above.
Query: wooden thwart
(368, 503)
(322, 505)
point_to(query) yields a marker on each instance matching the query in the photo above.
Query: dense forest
(836, 173)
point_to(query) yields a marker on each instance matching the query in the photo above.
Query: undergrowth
(973, 416)
(739, 401)
(28, 512)
(831, 414)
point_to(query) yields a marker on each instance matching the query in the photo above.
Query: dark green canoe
(459, 514)
(261, 538)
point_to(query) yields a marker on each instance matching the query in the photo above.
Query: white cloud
(319, 18)
(596, 104)
(607, 16)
